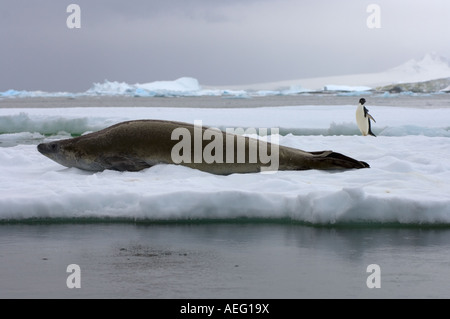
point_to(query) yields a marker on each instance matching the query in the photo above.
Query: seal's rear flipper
(333, 160)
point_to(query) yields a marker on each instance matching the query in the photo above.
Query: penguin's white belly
(363, 122)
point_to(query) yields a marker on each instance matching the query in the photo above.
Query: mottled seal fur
(136, 145)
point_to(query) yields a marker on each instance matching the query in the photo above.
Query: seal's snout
(41, 148)
(48, 148)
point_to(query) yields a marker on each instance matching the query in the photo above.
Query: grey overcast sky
(218, 42)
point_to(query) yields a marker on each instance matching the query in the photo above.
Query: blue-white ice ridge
(182, 87)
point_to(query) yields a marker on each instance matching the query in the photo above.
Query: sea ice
(408, 182)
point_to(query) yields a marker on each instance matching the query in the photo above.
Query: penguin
(363, 119)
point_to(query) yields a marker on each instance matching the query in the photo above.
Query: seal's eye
(53, 146)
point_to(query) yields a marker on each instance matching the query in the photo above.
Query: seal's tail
(334, 160)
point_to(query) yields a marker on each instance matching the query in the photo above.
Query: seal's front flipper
(123, 163)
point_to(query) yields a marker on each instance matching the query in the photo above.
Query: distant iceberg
(427, 75)
(181, 87)
(21, 94)
(346, 88)
(185, 84)
(12, 93)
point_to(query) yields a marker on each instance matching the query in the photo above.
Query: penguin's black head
(362, 101)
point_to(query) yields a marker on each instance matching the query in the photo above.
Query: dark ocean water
(219, 260)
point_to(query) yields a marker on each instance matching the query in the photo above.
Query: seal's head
(64, 152)
(56, 151)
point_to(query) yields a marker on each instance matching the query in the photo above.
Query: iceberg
(110, 88)
(185, 84)
(346, 88)
(429, 74)
(180, 87)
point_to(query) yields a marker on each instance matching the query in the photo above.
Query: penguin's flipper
(366, 111)
(370, 129)
(371, 117)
